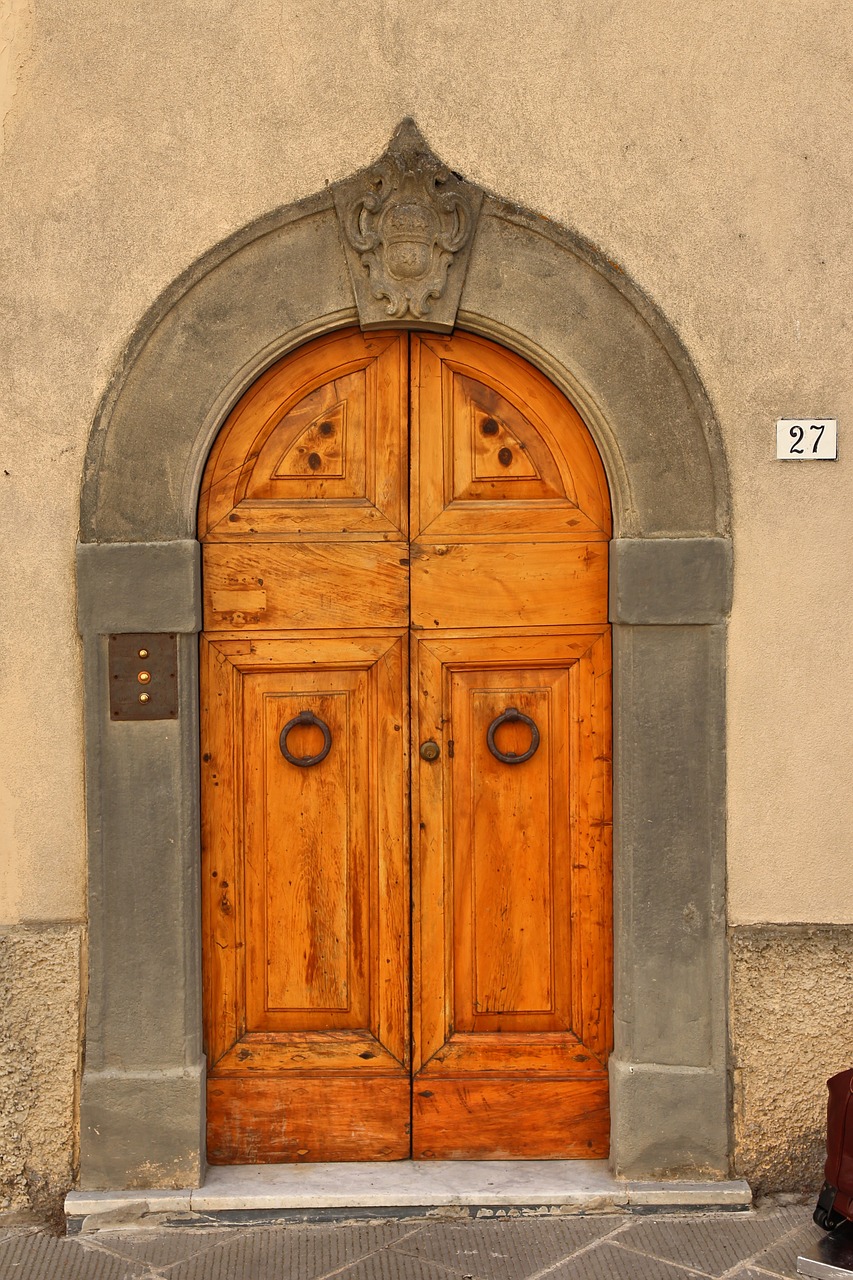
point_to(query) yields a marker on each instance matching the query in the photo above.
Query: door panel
(317, 585)
(314, 1020)
(497, 450)
(249, 1120)
(307, 894)
(497, 584)
(316, 448)
(507, 993)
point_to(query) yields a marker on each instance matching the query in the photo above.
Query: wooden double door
(405, 690)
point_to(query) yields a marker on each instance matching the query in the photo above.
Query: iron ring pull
(305, 762)
(512, 716)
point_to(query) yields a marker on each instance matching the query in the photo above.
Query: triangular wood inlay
(496, 453)
(319, 450)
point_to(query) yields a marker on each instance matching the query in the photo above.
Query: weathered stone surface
(669, 846)
(39, 1064)
(792, 996)
(670, 1122)
(670, 581)
(138, 586)
(143, 811)
(142, 1129)
(407, 225)
(539, 289)
(195, 353)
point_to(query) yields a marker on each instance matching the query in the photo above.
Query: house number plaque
(806, 439)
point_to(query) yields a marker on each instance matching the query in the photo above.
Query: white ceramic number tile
(806, 439)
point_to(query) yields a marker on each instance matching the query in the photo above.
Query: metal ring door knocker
(512, 716)
(306, 717)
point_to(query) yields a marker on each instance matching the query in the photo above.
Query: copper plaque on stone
(143, 670)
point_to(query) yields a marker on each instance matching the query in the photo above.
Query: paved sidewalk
(755, 1245)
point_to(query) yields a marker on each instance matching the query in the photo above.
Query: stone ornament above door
(407, 225)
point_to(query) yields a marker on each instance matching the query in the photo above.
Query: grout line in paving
(750, 1261)
(155, 1272)
(670, 1262)
(578, 1253)
(371, 1253)
(152, 1273)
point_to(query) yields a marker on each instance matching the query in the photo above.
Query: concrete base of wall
(39, 1064)
(791, 996)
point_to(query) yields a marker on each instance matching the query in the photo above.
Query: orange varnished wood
(512, 993)
(268, 1120)
(271, 586)
(306, 883)
(310, 591)
(498, 1119)
(316, 448)
(493, 584)
(515, 979)
(553, 483)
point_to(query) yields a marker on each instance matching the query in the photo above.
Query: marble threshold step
(250, 1194)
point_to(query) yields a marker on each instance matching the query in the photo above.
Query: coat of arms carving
(407, 223)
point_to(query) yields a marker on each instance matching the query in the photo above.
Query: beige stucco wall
(686, 142)
(704, 148)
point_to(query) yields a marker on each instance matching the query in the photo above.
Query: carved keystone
(407, 225)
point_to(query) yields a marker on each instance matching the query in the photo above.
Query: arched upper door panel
(319, 447)
(299, 455)
(498, 443)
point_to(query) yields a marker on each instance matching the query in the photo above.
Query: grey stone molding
(138, 586)
(545, 294)
(407, 225)
(673, 581)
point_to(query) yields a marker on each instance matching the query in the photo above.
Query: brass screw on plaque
(145, 697)
(144, 677)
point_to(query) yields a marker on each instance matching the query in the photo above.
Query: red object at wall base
(835, 1202)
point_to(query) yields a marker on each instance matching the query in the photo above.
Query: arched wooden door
(405, 697)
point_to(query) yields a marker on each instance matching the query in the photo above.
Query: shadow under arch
(543, 293)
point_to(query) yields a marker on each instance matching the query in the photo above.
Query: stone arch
(540, 291)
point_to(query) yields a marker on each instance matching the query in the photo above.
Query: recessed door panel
(515, 832)
(497, 450)
(316, 448)
(306, 874)
(509, 837)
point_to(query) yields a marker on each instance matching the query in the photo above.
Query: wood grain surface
(324, 1041)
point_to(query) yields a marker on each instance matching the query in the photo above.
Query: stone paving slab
(35, 1255)
(705, 1244)
(504, 1250)
(757, 1245)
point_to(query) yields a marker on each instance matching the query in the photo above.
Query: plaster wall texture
(39, 1042)
(792, 991)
